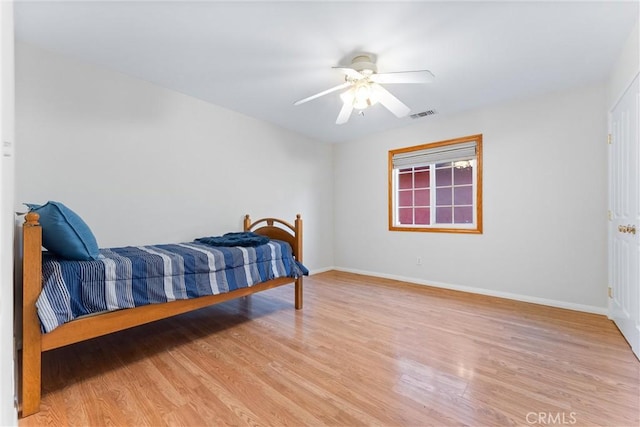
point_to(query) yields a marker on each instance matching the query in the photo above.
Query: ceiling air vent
(423, 114)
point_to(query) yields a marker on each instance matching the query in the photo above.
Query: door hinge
(609, 139)
(610, 215)
(610, 289)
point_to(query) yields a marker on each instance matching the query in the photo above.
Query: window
(437, 186)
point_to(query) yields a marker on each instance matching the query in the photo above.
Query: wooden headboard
(276, 229)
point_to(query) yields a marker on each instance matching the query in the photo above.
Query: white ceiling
(257, 58)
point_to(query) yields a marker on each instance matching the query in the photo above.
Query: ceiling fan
(364, 89)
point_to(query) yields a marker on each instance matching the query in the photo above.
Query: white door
(624, 229)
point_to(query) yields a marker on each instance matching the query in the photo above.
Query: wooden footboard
(34, 342)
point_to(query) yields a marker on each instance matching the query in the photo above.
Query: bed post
(31, 336)
(298, 255)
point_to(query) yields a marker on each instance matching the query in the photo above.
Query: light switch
(7, 149)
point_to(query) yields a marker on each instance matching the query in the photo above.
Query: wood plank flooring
(363, 351)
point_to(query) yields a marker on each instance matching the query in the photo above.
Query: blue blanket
(138, 275)
(244, 238)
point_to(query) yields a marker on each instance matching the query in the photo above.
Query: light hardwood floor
(363, 351)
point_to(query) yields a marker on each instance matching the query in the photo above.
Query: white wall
(8, 414)
(143, 165)
(544, 200)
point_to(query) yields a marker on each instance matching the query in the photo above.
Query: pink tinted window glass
(405, 180)
(443, 177)
(444, 215)
(423, 216)
(443, 196)
(421, 197)
(405, 215)
(463, 215)
(413, 190)
(422, 179)
(405, 198)
(463, 176)
(463, 195)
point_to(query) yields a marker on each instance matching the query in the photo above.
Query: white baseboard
(321, 270)
(507, 295)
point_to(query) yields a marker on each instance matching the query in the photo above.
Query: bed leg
(31, 381)
(299, 293)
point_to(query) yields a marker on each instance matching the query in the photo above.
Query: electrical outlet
(419, 260)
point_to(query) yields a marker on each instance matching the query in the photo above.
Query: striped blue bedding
(133, 276)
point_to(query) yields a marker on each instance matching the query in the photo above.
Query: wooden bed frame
(34, 342)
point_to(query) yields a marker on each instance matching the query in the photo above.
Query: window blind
(446, 153)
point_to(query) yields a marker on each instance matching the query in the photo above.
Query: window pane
(443, 177)
(444, 215)
(405, 198)
(422, 179)
(405, 215)
(463, 215)
(405, 180)
(423, 216)
(443, 196)
(422, 197)
(463, 195)
(444, 165)
(463, 175)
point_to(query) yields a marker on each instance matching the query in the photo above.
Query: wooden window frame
(438, 228)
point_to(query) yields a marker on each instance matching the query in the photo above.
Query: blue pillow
(64, 233)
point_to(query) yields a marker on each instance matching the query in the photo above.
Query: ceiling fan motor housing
(364, 65)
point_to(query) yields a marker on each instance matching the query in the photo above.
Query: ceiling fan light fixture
(363, 96)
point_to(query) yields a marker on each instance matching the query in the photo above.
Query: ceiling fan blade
(420, 76)
(350, 72)
(345, 113)
(392, 103)
(347, 107)
(318, 95)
